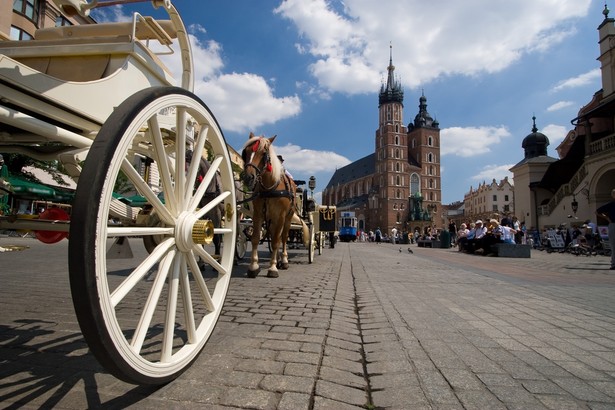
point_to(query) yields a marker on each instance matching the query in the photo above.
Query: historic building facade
(487, 201)
(552, 191)
(399, 185)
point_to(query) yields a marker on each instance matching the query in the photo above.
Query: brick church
(398, 186)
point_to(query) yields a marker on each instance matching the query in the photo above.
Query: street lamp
(312, 185)
(574, 204)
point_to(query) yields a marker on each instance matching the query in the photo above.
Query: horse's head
(261, 164)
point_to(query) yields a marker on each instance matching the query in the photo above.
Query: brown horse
(273, 201)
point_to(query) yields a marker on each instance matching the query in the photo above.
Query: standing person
(393, 235)
(452, 228)
(378, 236)
(607, 211)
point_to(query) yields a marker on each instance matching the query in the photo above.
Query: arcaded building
(399, 185)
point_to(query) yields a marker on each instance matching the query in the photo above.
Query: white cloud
(431, 39)
(497, 172)
(240, 101)
(555, 133)
(581, 80)
(559, 106)
(471, 141)
(307, 161)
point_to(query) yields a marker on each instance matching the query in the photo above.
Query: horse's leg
(284, 239)
(276, 235)
(257, 223)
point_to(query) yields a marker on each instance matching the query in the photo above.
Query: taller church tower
(391, 178)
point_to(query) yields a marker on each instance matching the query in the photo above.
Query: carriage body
(99, 101)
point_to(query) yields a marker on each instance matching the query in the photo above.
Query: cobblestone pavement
(364, 326)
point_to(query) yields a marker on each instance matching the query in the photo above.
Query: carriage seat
(91, 51)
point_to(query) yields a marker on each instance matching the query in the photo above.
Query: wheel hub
(191, 231)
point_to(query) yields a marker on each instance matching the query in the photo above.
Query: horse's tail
(305, 230)
(306, 234)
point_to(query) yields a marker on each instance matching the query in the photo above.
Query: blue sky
(310, 71)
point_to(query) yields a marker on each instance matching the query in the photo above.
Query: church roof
(360, 168)
(392, 91)
(536, 143)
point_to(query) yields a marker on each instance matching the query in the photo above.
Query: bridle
(265, 166)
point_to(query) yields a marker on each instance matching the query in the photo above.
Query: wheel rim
(147, 318)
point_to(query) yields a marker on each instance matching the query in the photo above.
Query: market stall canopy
(22, 188)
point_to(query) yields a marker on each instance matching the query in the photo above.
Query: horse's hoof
(283, 266)
(253, 273)
(272, 274)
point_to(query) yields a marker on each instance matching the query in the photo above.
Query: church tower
(391, 179)
(424, 151)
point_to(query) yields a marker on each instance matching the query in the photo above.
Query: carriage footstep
(272, 274)
(253, 273)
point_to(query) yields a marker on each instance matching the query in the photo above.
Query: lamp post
(312, 185)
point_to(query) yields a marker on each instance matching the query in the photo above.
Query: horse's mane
(265, 144)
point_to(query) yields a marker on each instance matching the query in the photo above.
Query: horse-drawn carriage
(280, 209)
(99, 101)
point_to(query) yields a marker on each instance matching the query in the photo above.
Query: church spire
(392, 91)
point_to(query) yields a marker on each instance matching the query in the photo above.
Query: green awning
(23, 188)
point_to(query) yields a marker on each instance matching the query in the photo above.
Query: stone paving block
(560, 402)
(285, 383)
(260, 366)
(352, 338)
(405, 397)
(351, 355)
(480, 400)
(343, 344)
(249, 398)
(461, 379)
(345, 394)
(393, 380)
(581, 390)
(355, 367)
(516, 395)
(343, 377)
(583, 371)
(299, 357)
(294, 401)
(389, 366)
(543, 387)
(281, 345)
(324, 403)
(496, 379)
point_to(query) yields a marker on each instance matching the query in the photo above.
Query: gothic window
(415, 184)
(397, 130)
(431, 183)
(413, 143)
(398, 217)
(431, 170)
(397, 180)
(397, 136)
(430, 157)
(397, 154)
(430, 141)
(388, 113)
(398, 194)
(397, 167)
(431, 196)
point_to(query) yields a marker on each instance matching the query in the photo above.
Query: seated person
(492, 236)
(475, 236)
(462, 236)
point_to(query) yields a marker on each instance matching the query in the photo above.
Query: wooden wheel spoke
(139, 273)
(207, 180)
(152, 300)
(147, 192)
(171, 311)
(211, 205)
(162, 161)
(195, 164)
(187, 296)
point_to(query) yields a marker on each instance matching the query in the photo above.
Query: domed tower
(424, 152)
(391, 177)
(536, 143)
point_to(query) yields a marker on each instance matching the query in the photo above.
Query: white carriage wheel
(312, 244)
(147, 318)
(321, 240)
